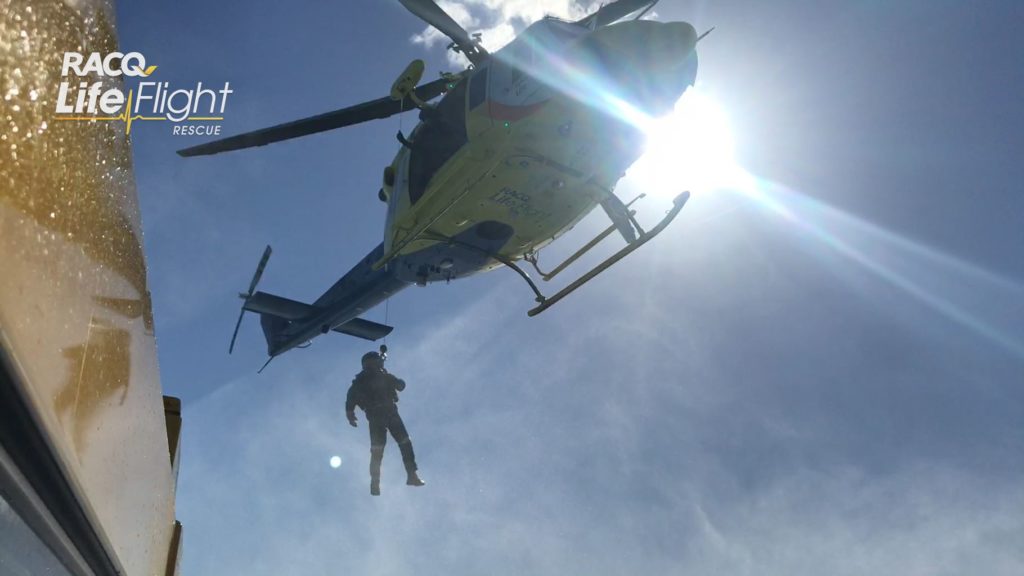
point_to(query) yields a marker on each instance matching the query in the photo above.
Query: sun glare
(689, 149)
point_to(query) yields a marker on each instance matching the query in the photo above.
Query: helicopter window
(439, 136)
(478, 88)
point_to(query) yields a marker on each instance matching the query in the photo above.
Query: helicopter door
(439, 135)
(478, 117)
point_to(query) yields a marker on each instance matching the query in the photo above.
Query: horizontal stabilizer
(264, 303)
(364, 329)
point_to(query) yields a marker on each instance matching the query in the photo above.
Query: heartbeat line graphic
(128, 118)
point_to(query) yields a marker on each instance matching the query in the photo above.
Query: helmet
(370, 359)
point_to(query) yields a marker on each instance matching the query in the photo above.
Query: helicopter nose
(671, 43)
(673, 58)
(670, 61)
(645, 62)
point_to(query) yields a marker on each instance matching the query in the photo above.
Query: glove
(351, 419)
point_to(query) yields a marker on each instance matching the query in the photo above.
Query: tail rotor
(245, 296)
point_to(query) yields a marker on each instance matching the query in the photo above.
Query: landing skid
(643, 238)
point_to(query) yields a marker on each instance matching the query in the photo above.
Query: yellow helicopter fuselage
(540, 150)
(520, 148)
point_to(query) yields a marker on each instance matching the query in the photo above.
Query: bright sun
(689, 149)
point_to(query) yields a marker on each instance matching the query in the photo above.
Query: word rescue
(88, 98)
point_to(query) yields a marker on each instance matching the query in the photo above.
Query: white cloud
(459, 12)
(498, 21)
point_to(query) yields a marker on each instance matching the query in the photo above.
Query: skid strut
(532, 258)
(548, 302)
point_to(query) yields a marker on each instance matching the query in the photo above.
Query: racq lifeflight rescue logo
(87, 94)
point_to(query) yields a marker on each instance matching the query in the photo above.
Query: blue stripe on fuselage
(357, 291)
(362, 287)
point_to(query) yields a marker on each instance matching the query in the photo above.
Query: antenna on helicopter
(265, 364)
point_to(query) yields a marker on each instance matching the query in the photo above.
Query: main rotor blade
(614, 12)
(431, 13)
(372, 110)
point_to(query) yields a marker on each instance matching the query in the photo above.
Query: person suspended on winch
(375, 391)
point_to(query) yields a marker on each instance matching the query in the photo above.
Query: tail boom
(288, 323)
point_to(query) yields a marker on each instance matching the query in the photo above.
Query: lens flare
(978, 300)
(689, 149)
(692, 149)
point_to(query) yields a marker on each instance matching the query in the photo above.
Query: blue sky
(824, 376)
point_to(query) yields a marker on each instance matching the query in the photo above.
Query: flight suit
(376, 393)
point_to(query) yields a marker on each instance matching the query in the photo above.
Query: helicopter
(518, 148)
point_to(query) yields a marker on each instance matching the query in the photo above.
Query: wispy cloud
(553, 453)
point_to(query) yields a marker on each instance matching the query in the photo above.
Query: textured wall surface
(75, 312)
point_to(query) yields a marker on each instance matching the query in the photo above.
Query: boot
(375, 486)
(414, 479)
